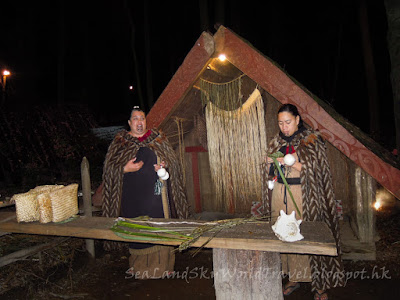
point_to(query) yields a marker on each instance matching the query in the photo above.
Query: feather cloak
(123, 148)
(318, 201)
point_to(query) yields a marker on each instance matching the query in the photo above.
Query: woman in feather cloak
(310, 181)
(132, 188)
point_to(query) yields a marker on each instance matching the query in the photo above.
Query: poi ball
(166, 176)
(161, 172)
(289, 160)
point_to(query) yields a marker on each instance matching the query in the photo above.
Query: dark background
(82, 52)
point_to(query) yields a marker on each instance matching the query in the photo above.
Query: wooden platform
(250, 236)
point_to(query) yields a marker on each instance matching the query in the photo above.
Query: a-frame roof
(347, 138)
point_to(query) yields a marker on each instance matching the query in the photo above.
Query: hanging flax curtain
(237, 145)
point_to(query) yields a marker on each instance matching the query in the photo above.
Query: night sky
(317, 42)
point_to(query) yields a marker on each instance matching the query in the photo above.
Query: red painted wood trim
(195, 149)
(196, 182)
(281, 87)
(182, 81)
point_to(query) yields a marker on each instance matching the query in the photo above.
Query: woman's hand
(132, 166)
(269, 160)
(297, 165)
(279, 159)
(158, 167)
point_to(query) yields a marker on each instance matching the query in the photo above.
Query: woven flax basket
(47, 203)
(44, 202)
(64, 202)
(44, 188)
(30, 206)
(26, 207)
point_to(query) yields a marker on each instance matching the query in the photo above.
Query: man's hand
(132, 166)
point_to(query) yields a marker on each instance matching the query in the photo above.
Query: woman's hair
(290, 108)
(136, 108)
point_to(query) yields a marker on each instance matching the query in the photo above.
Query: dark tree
(393, 19)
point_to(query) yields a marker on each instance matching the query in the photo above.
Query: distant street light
(5, 74)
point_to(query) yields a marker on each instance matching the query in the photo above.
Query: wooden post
(196, 175)
(365, 187)
(87, 200)
(196, 182)
(247, 274)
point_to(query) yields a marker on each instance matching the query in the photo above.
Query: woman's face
(137, 123)
(288, 123)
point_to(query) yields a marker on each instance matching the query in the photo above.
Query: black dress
(138, 198)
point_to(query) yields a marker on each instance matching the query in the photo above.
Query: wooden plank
(22, 254)
(318, 238)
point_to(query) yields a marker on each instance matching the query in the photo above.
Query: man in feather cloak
(313, 192)
(132, 188)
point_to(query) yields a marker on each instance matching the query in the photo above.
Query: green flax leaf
(274, 156)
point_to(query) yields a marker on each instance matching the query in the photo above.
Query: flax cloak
(123, 148)
(318, 202)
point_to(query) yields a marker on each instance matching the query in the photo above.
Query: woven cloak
(318, 202)
(123, 148)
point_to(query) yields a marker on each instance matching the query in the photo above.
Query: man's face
(137, 123)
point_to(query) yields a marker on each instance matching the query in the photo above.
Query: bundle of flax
(186, 232)
(236, 145)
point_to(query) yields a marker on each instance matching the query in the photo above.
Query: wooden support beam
(243, 275)
(182, 81)
(24, 253)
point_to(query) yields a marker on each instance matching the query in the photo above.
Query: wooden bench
(246, 257)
